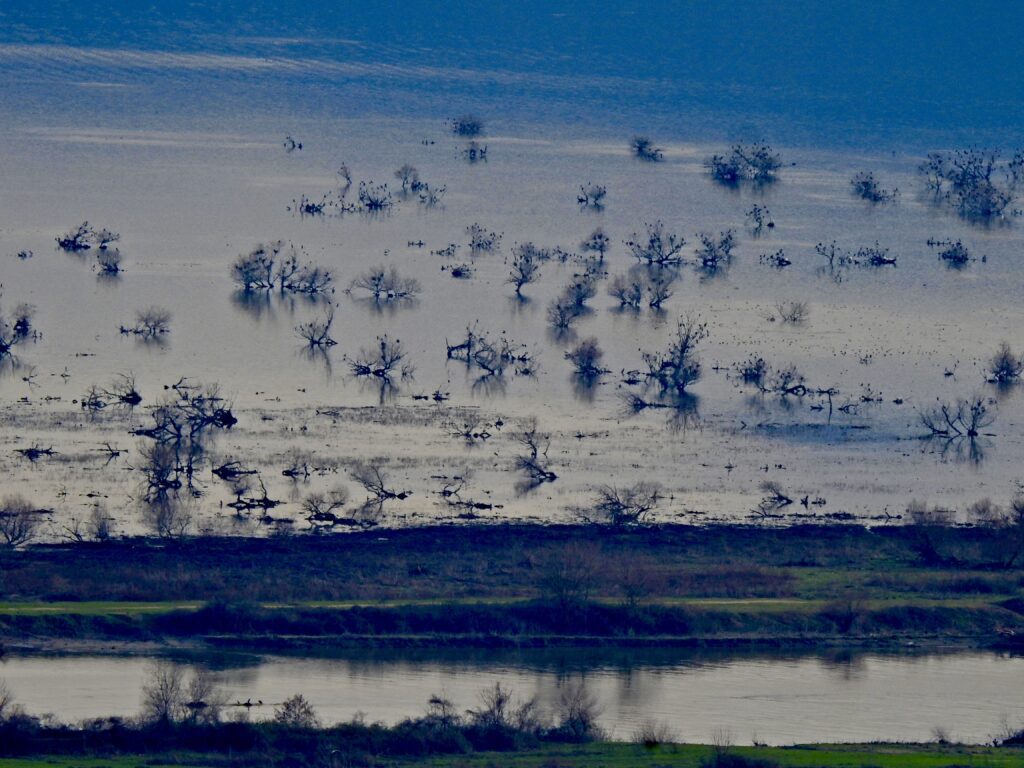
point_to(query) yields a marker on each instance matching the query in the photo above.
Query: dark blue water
(905, 75)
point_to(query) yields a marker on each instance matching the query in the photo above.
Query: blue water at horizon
(908, 75)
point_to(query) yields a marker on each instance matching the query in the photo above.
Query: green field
(616, 755)
(691, 756)
(508, 585)
(765, 605)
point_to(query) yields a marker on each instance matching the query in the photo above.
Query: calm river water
(777, 699)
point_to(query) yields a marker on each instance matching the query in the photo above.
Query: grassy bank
(615, 755)
(806, 562)
(520, 623)
(618, 755)
(524, 586)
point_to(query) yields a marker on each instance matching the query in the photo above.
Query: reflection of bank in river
(777, 699)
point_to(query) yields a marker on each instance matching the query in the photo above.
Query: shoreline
(525, 586)
(593, 754)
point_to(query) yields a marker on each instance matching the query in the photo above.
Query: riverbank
(523, 586)
(506, 560)
(519, 624)
(620, 755)
(617, 755)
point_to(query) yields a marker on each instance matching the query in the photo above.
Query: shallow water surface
(175, 141)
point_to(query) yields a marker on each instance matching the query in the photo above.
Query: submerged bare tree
(121, 392)
(498, 713)
(754, 370)
(668, 375)
(1005, 367)
(279, 265)
(952, 252)
(15, 329)
(650, 285)
(109, 261)
(317, 332)
(586, 359)
(759, 219)
(644, 149)
(492, 356)
(572, 302)
(792, 312)
(866, 187)
(385, 361)
(474, 152)
(77, 239)
(622, 506)
(455, 494)
(962, 418)
(839, 260)
(169, 517)
(597, 242)
(374, 197)
(715, 253)
(757, 163)
(976, 183)
(533, 462)
(773, 500)
(409, 178)
(777, 259)
(329, 201)
(678, 366)
(204, 701)
(592, 195)
(326, 510)
(656, 247)
(386, 286)
(482, 240)
(525, 267)
(431, 195)
(168, 699)
(467, 126)
(959, 427)
(377, 484)
(785, 381)
(84, 236)
(181, 426)
(628, 289)
(247, 497)
(151, 324)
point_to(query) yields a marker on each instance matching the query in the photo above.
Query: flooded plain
(183, 153)
(769, 699)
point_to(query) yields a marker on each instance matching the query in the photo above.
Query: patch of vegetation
(755, 163)
(644, 149)
(976, 183)
(467, 126)
(866, 187)
(953, 252)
